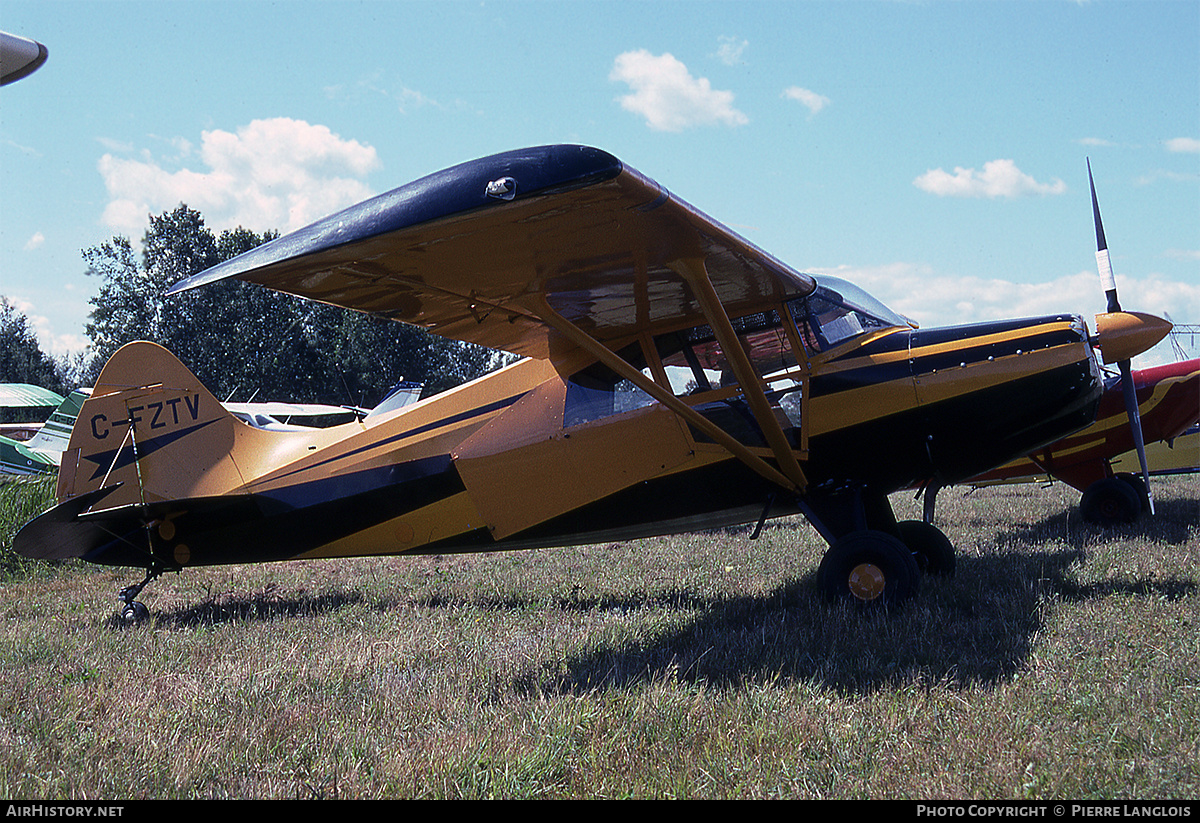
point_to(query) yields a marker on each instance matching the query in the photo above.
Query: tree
(21, 359)
(245, 341)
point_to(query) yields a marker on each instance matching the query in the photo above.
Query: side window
(693, 361)
(695, 364)
(766, 342)
(770, 350)
(597, 391)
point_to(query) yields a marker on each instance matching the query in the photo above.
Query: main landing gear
(872, 560)
(869, 567)
(1114, 500)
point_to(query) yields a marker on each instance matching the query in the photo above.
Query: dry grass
(1060, 662)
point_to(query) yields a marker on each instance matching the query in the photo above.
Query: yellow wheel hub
(866, 581)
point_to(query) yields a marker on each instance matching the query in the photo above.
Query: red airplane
(1168, 399)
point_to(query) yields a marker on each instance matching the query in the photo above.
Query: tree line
(243, 341)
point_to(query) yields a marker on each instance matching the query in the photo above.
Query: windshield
(837, 311)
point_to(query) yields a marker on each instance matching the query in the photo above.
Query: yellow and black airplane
(674, 377)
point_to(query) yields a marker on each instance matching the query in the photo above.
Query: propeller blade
(1128, 390)
(1107, 280)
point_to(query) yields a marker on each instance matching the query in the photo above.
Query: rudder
(153, 428)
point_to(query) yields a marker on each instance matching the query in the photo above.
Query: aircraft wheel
(869, 567)
(135, 612)
(1135, 482)
(1109, 502)
(932, 550)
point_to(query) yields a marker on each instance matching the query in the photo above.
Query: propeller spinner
(1120, 335)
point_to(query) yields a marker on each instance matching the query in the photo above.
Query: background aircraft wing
(280, 409)
(27, 395)
(474, 251)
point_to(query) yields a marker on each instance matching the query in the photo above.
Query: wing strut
(694, 272)
(611, 359)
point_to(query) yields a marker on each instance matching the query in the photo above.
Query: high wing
(499, 251)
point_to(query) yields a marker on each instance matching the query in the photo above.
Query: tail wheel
(135, 612)
(1109, 502)
(869, 567)
(932, 550)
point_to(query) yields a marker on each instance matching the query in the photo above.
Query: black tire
(932, 550)
(871, 568)
(1138, 484)
(1110, 502)
(135, 612)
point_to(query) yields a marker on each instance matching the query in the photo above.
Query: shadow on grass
(975, 629)
(1173, 523)
(262, 606)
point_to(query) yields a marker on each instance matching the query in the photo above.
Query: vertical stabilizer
(152, 429)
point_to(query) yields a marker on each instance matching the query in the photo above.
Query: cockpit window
(837, 311)
(598, 391)
(692, 360)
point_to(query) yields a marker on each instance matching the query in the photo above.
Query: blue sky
(932, 152)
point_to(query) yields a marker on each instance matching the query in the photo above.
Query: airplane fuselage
(526, 457)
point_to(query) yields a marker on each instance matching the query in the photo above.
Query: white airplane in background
(42, 451)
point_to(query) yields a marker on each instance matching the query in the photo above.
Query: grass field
(1061, 662)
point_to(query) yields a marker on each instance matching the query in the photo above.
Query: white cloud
(999, 178)
(731, 49)
(810, 99)
(669, 97)
(35, 241)
(1186, 145)
(271, 174)
(55, 345)
(934, 299)
(375, 85)
(1190, 255)
(1155, 175)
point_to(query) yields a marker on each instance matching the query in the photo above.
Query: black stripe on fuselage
(256, 528)
(938, 349)
(373, 445)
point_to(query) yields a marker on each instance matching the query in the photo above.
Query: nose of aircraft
(1122, 334)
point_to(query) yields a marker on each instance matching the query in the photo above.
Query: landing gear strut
(134, 611)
